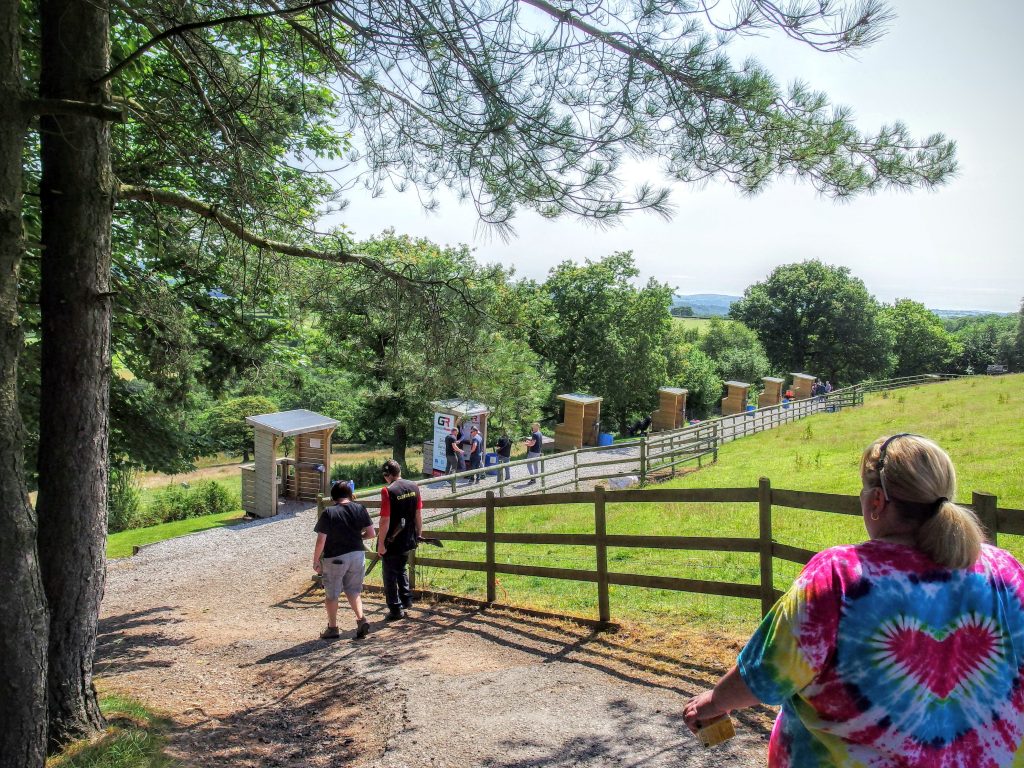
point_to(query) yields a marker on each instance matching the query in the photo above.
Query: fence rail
(997, 520)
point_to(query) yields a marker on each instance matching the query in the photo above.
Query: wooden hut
(581, 423)
(735, 400)
(802, 383)
(304, 477)
(772, 394)
(447, 414)
(671, 413)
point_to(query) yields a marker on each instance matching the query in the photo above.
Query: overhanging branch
(70, 107)
(213, 213)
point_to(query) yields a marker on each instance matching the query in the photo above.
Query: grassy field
(134, 739)
(977, 420)
(700, 323)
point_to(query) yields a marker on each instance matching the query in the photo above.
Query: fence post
(543, 479)
(576, 469)
(985, 508)
(600, 532)
(764, 499)
(714, 440)
(489, 528)
(412, 569)
(643, 461)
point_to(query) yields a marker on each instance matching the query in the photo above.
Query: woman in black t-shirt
(339, 556)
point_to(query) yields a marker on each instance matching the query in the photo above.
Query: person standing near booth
(401, 525)
(453, 452)
(533, 448)
(476, 453)
(503, 450)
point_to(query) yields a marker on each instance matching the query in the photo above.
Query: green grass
(120, 544)
(700, 323)
(976, 420)
(134, 739)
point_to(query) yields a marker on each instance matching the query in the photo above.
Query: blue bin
(750, 408)
(605, 438)
(490, 459)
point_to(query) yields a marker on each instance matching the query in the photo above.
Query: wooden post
(412, 569)
(764, 498)
(543, 479)
(643, 461)
(576, 469)
(714, 439)
(600, 533)
(985, 508)
(489, 544)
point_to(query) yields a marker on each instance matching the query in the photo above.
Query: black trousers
(395, 572)
(474, 463)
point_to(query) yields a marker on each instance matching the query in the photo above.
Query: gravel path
(218, 630)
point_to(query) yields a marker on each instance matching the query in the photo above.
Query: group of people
(462, 453)
(339, 555)
(820, 387)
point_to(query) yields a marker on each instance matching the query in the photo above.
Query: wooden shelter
(735, 400)
(304, 477)
(802, 383)
(447, 414)
(581, 423)
(772, 394)
(671, 413)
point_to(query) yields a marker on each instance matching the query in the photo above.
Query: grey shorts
(344, 574)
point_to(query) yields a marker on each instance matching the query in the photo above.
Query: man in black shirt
(476, 453)
(503, 448)
(339, 556)
(452, 452)
(401, 525)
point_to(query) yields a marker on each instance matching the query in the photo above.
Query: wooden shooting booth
(671, 413)
(302, 478)
(772, 394)
(457, 412)
(735, 400)
(802, 383)
(582, 421)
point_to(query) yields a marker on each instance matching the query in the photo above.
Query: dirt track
(218, 631)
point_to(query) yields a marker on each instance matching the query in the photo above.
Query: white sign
(443, 423)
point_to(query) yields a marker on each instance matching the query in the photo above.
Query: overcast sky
(951, 67)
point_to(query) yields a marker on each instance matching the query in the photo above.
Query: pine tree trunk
(76, 198)
(23, 607)
(398, 446)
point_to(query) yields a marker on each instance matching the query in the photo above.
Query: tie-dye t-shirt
(882, 659)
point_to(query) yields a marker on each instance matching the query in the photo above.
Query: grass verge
(120, 544)
(135, 738)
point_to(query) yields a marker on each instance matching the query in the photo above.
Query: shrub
(179, 502)
(124, 500)
(366, 474)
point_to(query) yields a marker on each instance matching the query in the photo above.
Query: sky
(942, 67)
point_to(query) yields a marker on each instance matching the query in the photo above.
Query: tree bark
(23, 607)
(398, 445)
(76, 199)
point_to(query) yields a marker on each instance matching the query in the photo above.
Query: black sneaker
(407, 606)
(394, 615)
(330, 633)
(362, 629)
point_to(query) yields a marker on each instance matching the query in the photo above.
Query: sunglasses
(880, 467)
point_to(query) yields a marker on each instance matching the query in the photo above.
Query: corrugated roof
(460, 407)
(736, 384)
(289, 423)
(577, 397)
(674, 390)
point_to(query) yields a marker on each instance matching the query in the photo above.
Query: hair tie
(937, 506)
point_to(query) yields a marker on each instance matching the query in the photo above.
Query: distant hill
(717, 305)
(706, 304)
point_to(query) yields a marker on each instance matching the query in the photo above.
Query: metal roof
(674, 390)
(803, 376)
(772, 378)
(737, 384)
(576, 397)
(460, 407)
(288, 423)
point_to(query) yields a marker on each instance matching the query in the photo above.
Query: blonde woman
(906, 650)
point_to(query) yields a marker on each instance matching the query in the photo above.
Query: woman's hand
(700, 709)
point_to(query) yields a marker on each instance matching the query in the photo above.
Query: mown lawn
(976, 420)
(120, 544)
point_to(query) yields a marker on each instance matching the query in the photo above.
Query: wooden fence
(995, 519)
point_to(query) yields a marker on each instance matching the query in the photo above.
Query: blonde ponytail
(919, 479)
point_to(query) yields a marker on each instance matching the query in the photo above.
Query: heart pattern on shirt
(943, 661)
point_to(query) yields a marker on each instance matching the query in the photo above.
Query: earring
(874, 516)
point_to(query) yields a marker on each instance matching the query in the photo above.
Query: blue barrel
(605, 438)
(490, 459)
